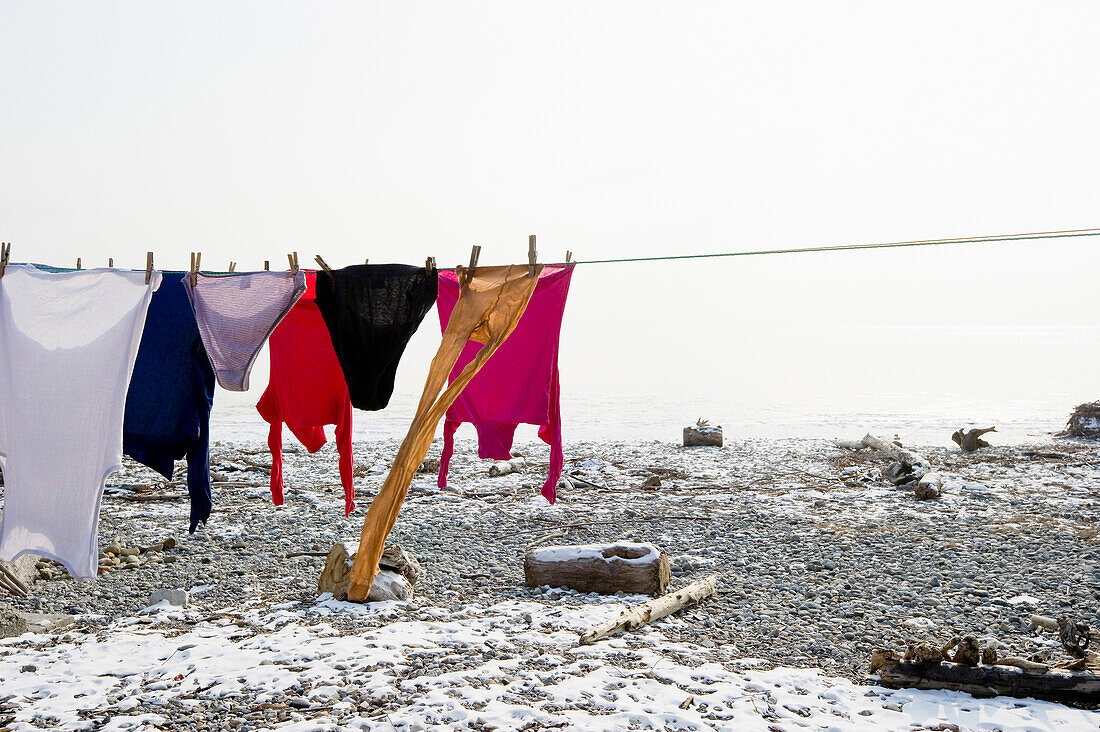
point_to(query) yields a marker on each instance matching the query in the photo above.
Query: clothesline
(1071, 233)
(995, 238)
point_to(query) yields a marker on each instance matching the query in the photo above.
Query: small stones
(177, 597)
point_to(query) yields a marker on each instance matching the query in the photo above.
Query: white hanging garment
(68, 342)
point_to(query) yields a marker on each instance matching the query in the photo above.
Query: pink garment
(519, 384)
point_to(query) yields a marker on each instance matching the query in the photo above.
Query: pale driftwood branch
(149, 497)
(547, 537)
(1042, 621)
(505, 467)
(6, 584)
(1032, 667)
(919, 465)
(653, 610)
(11, 579)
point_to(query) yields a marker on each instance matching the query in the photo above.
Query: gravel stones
(177, 597)
(817, 565)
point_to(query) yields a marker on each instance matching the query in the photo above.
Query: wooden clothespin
(568, 256)
(267, 265)
(532, 255)
(232, 266)
(366, 261)
(78, 262)
(196, 261)
(110, 262)
(293, 259)
(324, 265)
(148, 267)
(475, 253)
(429, 263)
(5, 252)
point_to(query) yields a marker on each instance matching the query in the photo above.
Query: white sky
(401, 130)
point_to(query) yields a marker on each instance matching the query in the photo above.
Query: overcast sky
(401, 130)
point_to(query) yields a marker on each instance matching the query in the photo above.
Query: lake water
(919, 419)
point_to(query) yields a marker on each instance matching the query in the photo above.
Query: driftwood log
(988, 681)
(914, 465)
(1077, 639)
(604, 568)
(653, 610)
(971, 440)
(398, 573)
(506, 467)
(908, 470)
(703, 435)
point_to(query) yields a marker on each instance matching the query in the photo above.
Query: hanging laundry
(489, 306)
(372, 310)
(237, 313)
(171, 394)
(69, 342)
(519, 385)
(306, 391)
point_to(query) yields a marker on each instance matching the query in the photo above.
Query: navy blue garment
(171, 393)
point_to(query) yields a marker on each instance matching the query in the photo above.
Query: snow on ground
(516, 665)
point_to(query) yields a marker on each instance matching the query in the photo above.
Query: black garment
(372, 310)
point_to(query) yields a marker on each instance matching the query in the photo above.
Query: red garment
(306, 391)
(519, 384)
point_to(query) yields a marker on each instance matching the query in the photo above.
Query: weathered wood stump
(971, 440)
(398, 573)
(703, 435)
(929, 486)
(604, 568)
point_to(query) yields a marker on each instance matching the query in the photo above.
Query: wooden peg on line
(293, 259)
(475, 253)
(532, 255)
(429, 263)
(111, 262)
(267, 265)
(148, 267)
(324, 265)
(568, 256)
(196, 262)
(78, 262)
(5, 252)
(366, 261)
(232, 266)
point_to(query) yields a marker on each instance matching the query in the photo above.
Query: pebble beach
(819, 562)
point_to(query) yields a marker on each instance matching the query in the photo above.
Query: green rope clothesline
(849, 247)
(1066, 234)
